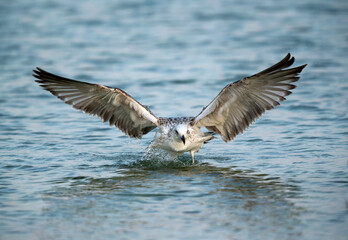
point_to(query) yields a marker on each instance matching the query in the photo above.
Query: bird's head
(181, 131)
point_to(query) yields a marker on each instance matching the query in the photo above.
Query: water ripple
(65, 175)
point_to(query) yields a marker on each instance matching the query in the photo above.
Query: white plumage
(230, 113)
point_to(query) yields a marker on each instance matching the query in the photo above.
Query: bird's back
(172, 121)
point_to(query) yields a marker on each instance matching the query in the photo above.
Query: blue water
(66, 175)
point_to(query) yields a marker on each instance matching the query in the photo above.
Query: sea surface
(66, 175)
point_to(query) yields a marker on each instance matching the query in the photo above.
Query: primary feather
(111, 104)
(240, 103)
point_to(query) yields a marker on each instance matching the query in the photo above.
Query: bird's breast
(174, 145)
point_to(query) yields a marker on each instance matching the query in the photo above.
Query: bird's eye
(176, 131)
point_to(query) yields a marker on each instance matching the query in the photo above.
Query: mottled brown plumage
(241, 102)
(111, 104)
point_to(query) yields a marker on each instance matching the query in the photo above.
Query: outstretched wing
(240, 103)
(111, 104)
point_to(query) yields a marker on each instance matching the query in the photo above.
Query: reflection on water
(245, 201)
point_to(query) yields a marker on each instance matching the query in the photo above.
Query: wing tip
(38, 70)
(40, 74)
(297, 70)
(303, 66)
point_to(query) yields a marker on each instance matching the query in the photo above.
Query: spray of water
(156, 158)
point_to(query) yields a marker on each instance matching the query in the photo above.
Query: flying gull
(237, 106)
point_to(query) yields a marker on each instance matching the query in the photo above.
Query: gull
(231, 112)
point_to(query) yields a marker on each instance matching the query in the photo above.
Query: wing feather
(242, 102)
(111, 104)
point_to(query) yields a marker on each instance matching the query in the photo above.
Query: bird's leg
(192, 156)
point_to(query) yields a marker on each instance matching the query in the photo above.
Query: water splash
(156, 158)
(153, 153)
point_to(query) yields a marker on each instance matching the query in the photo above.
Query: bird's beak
(183, 139)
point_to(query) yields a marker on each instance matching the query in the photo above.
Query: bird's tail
(208, 136)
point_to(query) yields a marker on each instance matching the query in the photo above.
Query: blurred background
(66, 175)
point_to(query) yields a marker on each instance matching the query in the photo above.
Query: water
(65, 175)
